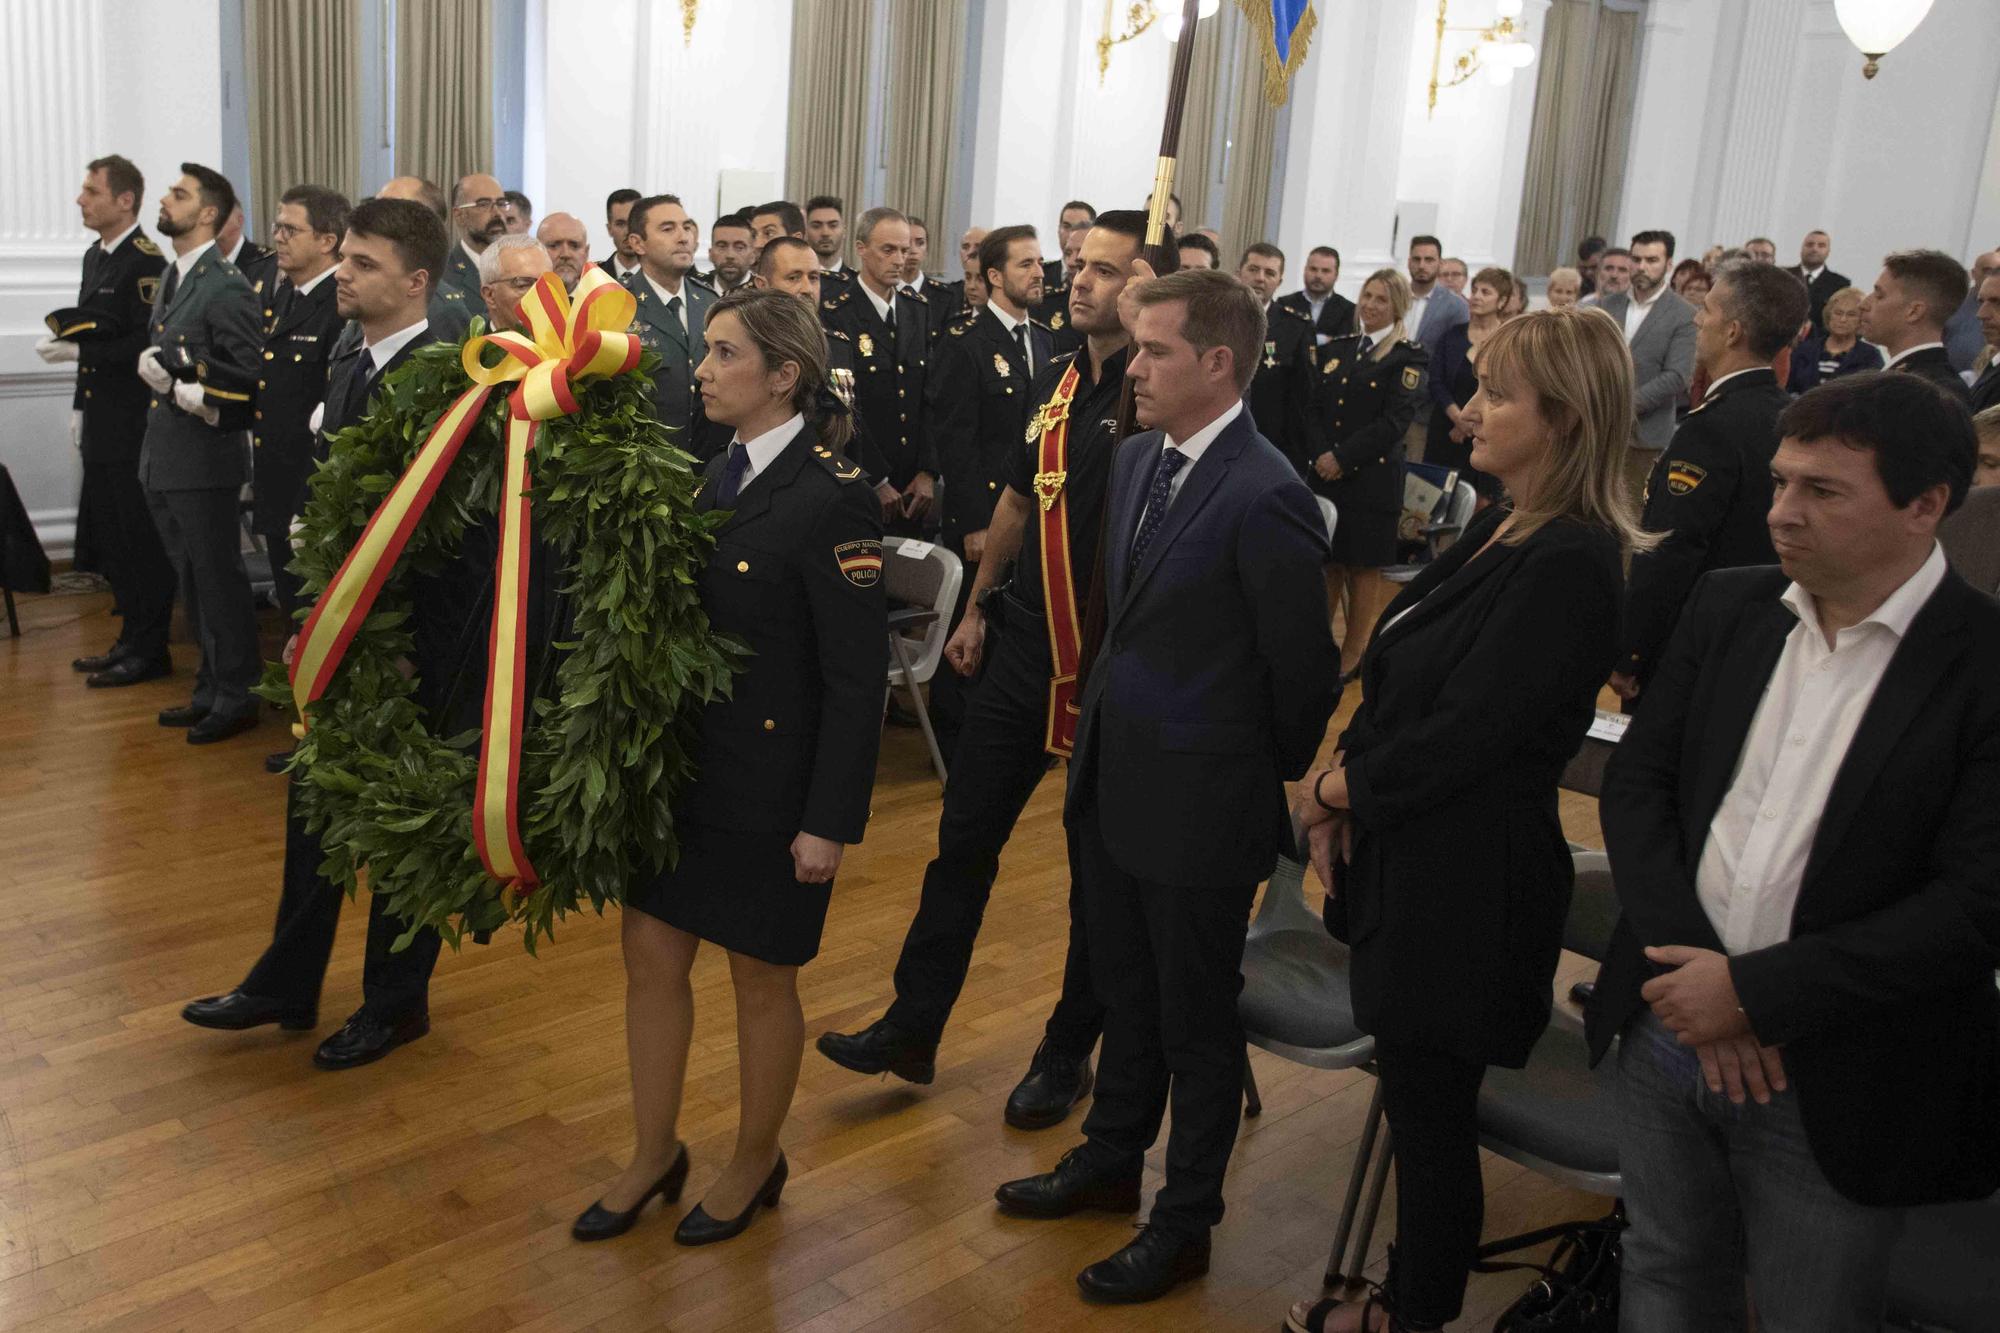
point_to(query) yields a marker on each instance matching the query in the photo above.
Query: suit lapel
(654, 311)
(1124, 513)
(1447, 581)
(1742, 678)
(1195, 492)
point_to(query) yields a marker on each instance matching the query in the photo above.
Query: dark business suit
(1986, 389)
(1883, 997)
(1819, 288)
(1933, 364)
(1212, 688)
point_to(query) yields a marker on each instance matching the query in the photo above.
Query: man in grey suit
(1434, 307)
(673, 313)
(1659, 327)
(194, 462)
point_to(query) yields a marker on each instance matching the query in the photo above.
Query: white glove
(76, 430)
(150, 370)
(56, 351)
(188, 398)
(319, 415)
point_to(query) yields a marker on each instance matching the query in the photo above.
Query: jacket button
(260, 384)
(86, 393)
(770, 724)
(298, 356)
(992, 485)
(270, 356)
(899, 393)
(742, 566)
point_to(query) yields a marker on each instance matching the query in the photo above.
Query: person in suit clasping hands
(784, 765)
(1435, 828)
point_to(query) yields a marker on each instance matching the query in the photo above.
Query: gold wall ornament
(1500, 48)
(689, 11)
(1139, 17)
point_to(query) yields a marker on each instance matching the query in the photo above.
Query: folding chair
(1330, 514)
(1436, 506)
(921, 580)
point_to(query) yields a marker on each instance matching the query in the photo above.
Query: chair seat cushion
(1295, 990)
(1557, 1108)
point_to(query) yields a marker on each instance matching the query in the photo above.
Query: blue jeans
(1719, 1194)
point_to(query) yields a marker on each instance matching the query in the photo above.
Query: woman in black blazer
(784, 765)
(1435, 828)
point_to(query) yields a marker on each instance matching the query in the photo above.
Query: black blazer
(1471, 705)
(978, 396)
(890, 376)
(1281, 394)
(1217, 672)
(1934, 364)
(1883, 999)
(1818, 290)
(1336, 317)
(109, 392)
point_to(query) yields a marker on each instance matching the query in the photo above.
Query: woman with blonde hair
(1371, 384)
(783, 765)
(1835, 348)
(1565, 288)
(1435, 826)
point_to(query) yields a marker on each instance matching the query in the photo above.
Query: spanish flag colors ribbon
(564, 339)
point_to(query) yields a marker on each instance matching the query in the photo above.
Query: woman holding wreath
(785, 765)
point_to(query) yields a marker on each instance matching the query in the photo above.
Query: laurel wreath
(605, 747)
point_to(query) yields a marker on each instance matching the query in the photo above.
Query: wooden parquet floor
(158, 1176)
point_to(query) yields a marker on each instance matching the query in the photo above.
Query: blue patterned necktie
(1156, 507)
(732, 475)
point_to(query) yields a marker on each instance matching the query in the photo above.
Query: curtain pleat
(827, 123)
(305, 126)
(1253, 144)
(1198, 165)
(1576, 148)
(444, 88)
(926, 71)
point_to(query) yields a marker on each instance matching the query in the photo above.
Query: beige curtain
(1253, 133)
(305, 127)
(827, 125)
(1196, 167)
(444, 88)
(926, 70)
(1583, 115)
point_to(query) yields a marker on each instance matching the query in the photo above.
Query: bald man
(418, 190)
(563, 235)
(479, 216)
(508, 270)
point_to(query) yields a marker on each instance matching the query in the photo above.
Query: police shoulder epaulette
(451, 294)
(1413, 344)
(838, 333)
(146, 244)
(958, 330)
(842, 470)
(1063, 358)
(1293, 311)
(835, 302)
(916, 296)
(1039, 324)
(701, 280)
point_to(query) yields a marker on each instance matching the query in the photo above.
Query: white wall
(82, 78)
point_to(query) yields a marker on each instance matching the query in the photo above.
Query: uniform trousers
(394, 986)
(129, 554)
(204, 539)
(1168, 965)
(1000, 762)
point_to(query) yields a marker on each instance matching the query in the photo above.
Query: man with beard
(1280, 397)
(731, 251)
(568, 246)
(478, 211)
(826, 233)
(1330, 314)
(1046, 524)
(1659, 328)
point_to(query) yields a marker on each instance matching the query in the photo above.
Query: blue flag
(1284, 27)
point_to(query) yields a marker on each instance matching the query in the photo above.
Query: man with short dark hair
(1174, 832)
(1197, 251)
(103, 335)
(672, 318)
(1330, 313)
(1659, 327)
(1434, 307)
(478, 213)
(1072, 224)
(1587, 252)
(1761, 250)
(1985, 391)
(780, 217)
(1821, 281)
(1803, 821)
(1905, 314)
(519, 213)
(195, 459)
(826, 233)
(568, 244)
(1711, 488)
(730, 253)
(1280, 397)
(618, 223)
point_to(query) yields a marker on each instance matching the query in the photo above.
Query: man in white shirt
(1905, 313)
(1804, 828)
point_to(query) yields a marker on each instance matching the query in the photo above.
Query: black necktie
(1156, 507)
(1021, 341)
(674, 309)
(172, 284)
(732, 475)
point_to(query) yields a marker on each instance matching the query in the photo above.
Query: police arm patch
(1411, 376)
(860, 561)
(1683, 477)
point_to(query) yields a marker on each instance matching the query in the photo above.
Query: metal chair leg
(1375, 1189)
(917, 702)
(13, 618)
(1253, 1105)
(1364, 1153)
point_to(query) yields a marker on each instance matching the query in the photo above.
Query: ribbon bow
(564, 339)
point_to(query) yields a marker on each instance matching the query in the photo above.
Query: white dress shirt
(1197, 445)
(1907, 353)
(186, 262)
(763, 450)
(666, 296)
(1755, 857)
(1636, 311)
(317, 278)
(118, 240)
(1418, 304)
(885, 307)
(1011, 324)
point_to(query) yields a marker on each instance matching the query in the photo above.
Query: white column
(1746, 192)
(1670, 112)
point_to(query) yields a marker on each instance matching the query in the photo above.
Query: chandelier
(1500, 48)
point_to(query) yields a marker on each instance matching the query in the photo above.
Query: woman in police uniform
(783, 767)
(1370, 386)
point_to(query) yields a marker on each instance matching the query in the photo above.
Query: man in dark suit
(390, 252)
(1985, 391)
(672, 320)
(103, 335)
(617, 223)
(1711, 489)
(1906, 311)
(1330, 314)
(1213, 687)
(1280, 398)
(1821, 281)
(1804, 828)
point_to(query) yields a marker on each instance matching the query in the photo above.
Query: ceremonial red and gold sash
(1051, 425)
(563, 339)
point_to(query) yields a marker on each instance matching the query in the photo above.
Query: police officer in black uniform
(1710, 491)
(890, 334)
(1280, 396)
(1002, 748)
(103, 334)
(1335, 317)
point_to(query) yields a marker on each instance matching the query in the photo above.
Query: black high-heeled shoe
(698, 1228)
(599, 1223)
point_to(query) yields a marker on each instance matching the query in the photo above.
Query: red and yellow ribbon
(564, 338)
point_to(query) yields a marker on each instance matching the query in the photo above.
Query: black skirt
(736, 889)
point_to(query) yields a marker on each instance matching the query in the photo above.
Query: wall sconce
(1877, 27)
(1139, 17)
(688, 9)
(1501, 48)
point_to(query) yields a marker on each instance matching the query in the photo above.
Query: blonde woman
(1371, 384)
(1565, 288)
(1839, 350)
(1435, 827)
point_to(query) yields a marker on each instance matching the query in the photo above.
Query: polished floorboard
(157, 1176)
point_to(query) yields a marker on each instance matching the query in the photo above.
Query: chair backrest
(1464, 498)
(1593, 907)
(923, 574)
(1284, 905)
(1329, 513)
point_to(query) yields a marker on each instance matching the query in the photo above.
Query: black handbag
(1577, 1290)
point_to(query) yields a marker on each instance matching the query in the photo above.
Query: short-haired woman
(1565, 288)
(1435, 828)
(783, 766)
(1370, 386)
(1455, 377)
(1839, 350)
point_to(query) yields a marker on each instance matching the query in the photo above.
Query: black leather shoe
(275, 763)
(698, 1228)
(1053, 1086)
(881, 1048)
(103, 661)
(215, 727)
(129, 671)
(365, 1039)
(1072, 1187)
(182, 715)
(1154, 1264)
(235, 1011)
(599, 1223)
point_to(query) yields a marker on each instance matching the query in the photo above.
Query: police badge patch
(1684, 477)
(860, 561)
(1410, 377)
(149, 290)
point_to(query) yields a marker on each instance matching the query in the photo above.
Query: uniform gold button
(260, 384)
(742, 566)
(902, 416)
(992, 485)
(770, 724)
(86, 393)
(298, 356)
(270, 356)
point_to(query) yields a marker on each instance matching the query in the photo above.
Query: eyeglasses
(284, 231)
(480, 205)
(518, 284)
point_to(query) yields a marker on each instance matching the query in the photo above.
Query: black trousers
(999, 764)
(202, 534)
(1168, 965)
(394, 986)
(1431, 1099)
(128, 552)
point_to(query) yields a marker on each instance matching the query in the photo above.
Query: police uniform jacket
(978, 399)
(796, 575)
(946, 301)
(1336, 317)
(300, 332)
(1710, 493)
(1281, 395)
(461, 272)
(676, 397)
(210, 315)
(1053, 314)
(891, 367)
(1364, 408)
(122, 285)
(1934, 364)
(840, 370)
(259, 268)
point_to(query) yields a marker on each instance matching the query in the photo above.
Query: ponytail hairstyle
(1398, 288)
(784, 328)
